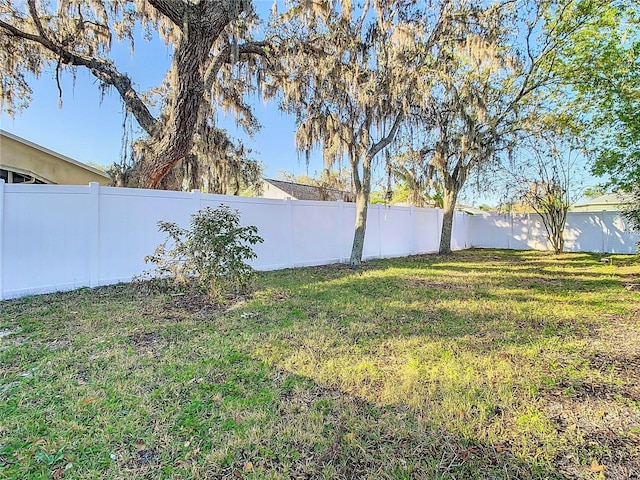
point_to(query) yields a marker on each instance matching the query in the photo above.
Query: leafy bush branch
(210, 255)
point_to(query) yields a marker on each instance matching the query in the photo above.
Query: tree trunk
(363, 188)
(362, 206)
(554, 221)
(201, 25)
(449, 199)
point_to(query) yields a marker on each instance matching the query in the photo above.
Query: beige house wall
(271, 191)
(27, 158)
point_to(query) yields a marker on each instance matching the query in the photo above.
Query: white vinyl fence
(55, 237)
(605, 232)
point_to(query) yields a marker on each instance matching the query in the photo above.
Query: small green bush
(210, 256)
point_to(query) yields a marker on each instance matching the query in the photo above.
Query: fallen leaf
(248, 467)
(88, 400)
(596, 467)
(139, 446)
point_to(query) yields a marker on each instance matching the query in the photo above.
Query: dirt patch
(601, 429)
(193, 303)
(627, 366)
(58, 344)
(145, 457)
(147, 343)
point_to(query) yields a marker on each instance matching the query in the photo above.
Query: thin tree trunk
(362, 206)
(554, 221)
(363, 189)
(448, 205)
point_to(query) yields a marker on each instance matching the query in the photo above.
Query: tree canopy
(480, 90)
(599, 67)
(342, 72)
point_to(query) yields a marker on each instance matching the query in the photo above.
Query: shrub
(210, 256)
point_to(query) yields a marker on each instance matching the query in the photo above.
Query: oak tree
(481, 89)
(343, 74)
(214, 58)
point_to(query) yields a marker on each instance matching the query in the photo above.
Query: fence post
(289, 216)
(197, 197)
(1, 239)
(439, 221)
(94, 234)
(605, 232)
(412, 226)
(380, 250)
(339, 236)
(510, 237)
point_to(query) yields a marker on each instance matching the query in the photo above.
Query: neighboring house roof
(609, 202)
(470, 210)
(27, 159)
(298, 191)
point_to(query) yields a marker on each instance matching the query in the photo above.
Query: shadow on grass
(466, 289)
(409, 368)
(144, 396)
(323, 432)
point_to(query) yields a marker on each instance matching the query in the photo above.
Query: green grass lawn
(484, 364)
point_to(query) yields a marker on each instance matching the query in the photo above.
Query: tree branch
(249, 48)
(174, 10)
(386, 140)
(103, 70)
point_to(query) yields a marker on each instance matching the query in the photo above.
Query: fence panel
(604, 232)
(427, 226)
(396, 231)
(315, 233)
(44, 238)
(460, 234)
(273, 217)
(129, 228)
(56, 237)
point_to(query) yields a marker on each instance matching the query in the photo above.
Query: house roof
(610, 200)
(299, 191)
(64, 158)
(470, 210)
